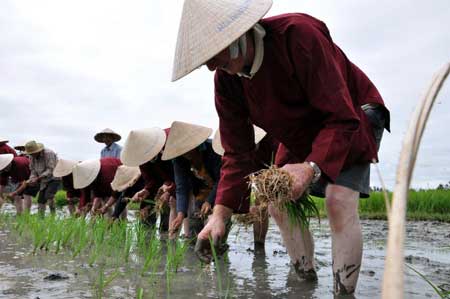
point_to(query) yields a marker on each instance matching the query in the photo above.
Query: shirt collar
(258, 35)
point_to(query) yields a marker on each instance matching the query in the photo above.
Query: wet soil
(246, 273)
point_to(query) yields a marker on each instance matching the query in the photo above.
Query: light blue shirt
(112, 151)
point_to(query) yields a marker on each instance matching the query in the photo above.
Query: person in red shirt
(286, 75)
(95, 177)
(5, 149)
(143, 149)
(63, 170)
(266, 148)
(18, 170)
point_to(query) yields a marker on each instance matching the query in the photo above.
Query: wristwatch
(317, 171)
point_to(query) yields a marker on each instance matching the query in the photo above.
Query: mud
(247, 273)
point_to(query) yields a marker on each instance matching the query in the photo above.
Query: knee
(275, 213)
(342, 207)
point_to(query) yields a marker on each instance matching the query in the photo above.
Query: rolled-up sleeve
(321, 75)
(237, 137)
(51, 160)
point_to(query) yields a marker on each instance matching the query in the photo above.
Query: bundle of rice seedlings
(274, 185)
(247, 219)
(159, 205)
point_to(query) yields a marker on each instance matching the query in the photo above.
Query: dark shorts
(357, 177)
(30, 190)
(49, 191)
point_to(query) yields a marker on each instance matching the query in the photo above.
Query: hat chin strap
(239, 46)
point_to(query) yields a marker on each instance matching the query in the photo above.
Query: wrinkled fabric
(19, 172)
(42, 166)
(187, 181)
(112, 151)
(101, 186)
(306, 94)
(157, 173)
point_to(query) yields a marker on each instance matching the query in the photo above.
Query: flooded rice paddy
(244, 273)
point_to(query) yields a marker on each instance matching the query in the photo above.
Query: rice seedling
(274, 186)
(67, 232)
(103, 281)
(219, 272)
(81, 238)
(152, 254)
(38, 233)
(140, 293)
(441, 293)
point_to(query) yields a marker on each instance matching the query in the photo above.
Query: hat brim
(178, 144)
(142, 146)
(5, 160)
(40, 148)
(196, 44)
(100, 137)
(119, 185)
(63, 168)
(84, 173)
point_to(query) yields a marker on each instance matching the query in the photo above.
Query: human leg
(18, 202)
(342, 209)
(260, 227)
(299, 244)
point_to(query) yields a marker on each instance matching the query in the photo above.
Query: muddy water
(247, 274)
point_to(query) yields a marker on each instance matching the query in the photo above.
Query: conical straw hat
(63, 168)
(100, 137)
(3, 140)
(209, 26)
(32, 147)
(125, 177)
(142, 145)
(5, 160)
(217, 145)
(184, 137)
(84, 173)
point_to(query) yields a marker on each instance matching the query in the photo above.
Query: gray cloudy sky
(71, 68)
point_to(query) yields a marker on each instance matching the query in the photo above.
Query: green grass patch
(422, 205)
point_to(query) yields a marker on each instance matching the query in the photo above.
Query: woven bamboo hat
(63, 167)
(125, 177)
(100, 137)
(184, 137)
(33, 147)
(142, 145)
(84, 173)
(5, 160)
(217, 145)
(3, 140)
(209, 26)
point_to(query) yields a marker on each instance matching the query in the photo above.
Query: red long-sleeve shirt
(101, 186)
(19, 172)
(157, 173)
(306, 94)
(6, 149)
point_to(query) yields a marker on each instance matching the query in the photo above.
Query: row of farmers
(171, 173)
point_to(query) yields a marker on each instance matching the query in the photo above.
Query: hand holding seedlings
(214, 229)
(276, 186)
(176, 223)
(206, 209)
(302, 174)
(139, 196)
